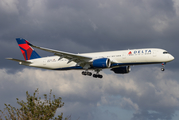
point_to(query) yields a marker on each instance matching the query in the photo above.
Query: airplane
(117, 61)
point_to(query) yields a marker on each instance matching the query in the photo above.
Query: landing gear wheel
(94, 75)
(97, 76)
(89, 73)
(83, 73)
(86, 73)
(100, 76)
(162, 69)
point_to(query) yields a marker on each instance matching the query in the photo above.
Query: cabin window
(165, 52)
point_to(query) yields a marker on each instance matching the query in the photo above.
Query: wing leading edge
(70, 56)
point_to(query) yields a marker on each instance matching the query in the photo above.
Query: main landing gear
(163, 67)
(86, 73)
(97, 75)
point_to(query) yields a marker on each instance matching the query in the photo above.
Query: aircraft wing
(17, 60)
(70, 56)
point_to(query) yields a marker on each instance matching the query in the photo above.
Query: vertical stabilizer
(27, 51)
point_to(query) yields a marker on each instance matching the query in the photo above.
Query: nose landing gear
(163, 67)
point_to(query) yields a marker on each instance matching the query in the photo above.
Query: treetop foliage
(34, 108)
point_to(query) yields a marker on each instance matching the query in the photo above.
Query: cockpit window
(165, 52)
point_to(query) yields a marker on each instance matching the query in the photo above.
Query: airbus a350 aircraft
(117, 61)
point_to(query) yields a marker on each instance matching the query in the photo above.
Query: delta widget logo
(130, 53)
(139, 52)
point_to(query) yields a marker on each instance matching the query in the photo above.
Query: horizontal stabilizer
(17, 60)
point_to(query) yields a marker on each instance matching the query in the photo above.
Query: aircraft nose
(171, 57)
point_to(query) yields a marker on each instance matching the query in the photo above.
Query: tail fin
(27, 51)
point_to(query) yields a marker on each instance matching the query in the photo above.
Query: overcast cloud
(80, 26)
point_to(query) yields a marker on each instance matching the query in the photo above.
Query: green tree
(34, 108)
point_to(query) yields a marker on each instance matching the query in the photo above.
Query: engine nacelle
(101, 63)
(121, 70)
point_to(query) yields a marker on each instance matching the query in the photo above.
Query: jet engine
(121, 70)
(101, 63)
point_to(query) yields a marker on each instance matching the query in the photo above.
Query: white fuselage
(118, 58)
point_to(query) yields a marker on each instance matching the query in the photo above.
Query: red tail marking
(28, 50)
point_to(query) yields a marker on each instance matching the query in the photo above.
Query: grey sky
(80, 26)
